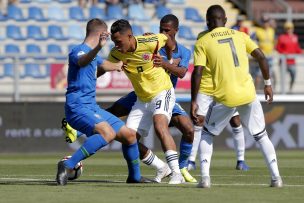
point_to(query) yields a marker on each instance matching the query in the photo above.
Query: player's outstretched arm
(195, 83)
(109, 66)
(260, 57)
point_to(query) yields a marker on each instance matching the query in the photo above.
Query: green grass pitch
(30, 178)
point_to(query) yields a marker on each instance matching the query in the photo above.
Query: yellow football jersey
(206, 85)
(147, 80)
(224, 52)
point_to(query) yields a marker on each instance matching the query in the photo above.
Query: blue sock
(185, 150)
(131, 154)
(89, 147)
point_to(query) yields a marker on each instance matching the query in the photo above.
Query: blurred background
(37, 35)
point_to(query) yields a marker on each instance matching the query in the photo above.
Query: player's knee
(235, 121)
(106, 132)
(126, 136)
(108, 135)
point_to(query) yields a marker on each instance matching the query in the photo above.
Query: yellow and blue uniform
(224, 52)
(180, 52)
(147, 80)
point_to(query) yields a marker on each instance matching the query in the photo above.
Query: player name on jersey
(221, 34)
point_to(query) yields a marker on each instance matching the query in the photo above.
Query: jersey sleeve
(75, 55)
(162, 40)
(250, 44)
(200, 58)
(186, 55)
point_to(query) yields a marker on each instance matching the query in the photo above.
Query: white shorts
(219, 115)
(140, 118)
(203, 101)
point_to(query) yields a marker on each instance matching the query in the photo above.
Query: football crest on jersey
(97, 115)
(80, 53)
(146, 56)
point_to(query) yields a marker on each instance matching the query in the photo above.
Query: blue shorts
(84, 119)
(127, 101)
(178, 110)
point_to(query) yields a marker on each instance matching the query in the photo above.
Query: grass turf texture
(30, 178)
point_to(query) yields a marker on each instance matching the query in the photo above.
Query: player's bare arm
(195, 83)
(260, 57)
(169, 46)
(87, 58)
(109, 66)
(173, 68)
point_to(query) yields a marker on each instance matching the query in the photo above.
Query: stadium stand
(8, 70)
(161, 11)
(76, 32)
(32, 70)
(176, 1)
(34, 49)
(56, 13)
(55, 32)
(115, 12)
(44, 1)
(76, 13)
(35, 13)
(15, 13)
(96, 12)
(64, 1)
(34, 32)
(186, 33)
(154, 28)
(3, 17)
(54, 27)
(55, 49)
(137, 29)
(137, 12)
(14, 32)
(193, 14)
(38, 24)
(12, 49)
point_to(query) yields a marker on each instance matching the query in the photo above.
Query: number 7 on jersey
(233, 50)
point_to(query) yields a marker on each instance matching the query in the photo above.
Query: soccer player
(122, 107)
(82, 111)
(224, 51)
(155, 99)
(168, 25)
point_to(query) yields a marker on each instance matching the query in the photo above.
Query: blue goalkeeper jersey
(81, 88)
(180, 52)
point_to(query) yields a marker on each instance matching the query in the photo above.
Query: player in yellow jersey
(205, 98)
(152, 86)
(224, 51)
